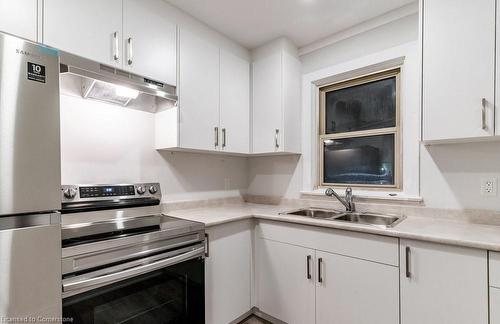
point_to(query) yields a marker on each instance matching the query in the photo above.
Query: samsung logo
(23, 52)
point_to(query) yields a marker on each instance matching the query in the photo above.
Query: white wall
(399, 32)
(350, 54)
(449, 174)
(104, 143)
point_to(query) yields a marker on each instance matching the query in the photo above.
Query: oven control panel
(72, 193)
(107, 191)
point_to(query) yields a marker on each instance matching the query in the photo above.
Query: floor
(254, 320)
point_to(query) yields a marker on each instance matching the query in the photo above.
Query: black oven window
(168, 296)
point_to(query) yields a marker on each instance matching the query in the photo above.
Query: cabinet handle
(223, 137)
(129, 51)
(408, 273)
(116, 47)
(216, 136)
(207, 246)
(320, 278)
(483, 113)
(276, 139)
(308, 266)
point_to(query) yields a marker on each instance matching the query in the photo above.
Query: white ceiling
(252, 23)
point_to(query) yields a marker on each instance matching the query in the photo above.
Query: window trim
(396, 130)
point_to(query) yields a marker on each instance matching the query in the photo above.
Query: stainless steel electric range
(125, 262)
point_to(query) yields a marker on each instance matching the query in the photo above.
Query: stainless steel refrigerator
(30, 235)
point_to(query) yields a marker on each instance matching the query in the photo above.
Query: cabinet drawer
(494, 269)
(370, 247)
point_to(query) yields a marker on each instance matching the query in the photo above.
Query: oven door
(165, 288)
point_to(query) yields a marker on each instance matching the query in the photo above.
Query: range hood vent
(106, 83)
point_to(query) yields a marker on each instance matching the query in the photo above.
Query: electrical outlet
(489, 186)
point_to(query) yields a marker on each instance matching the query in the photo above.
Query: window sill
(370, 195)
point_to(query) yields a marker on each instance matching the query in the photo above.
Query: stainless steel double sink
(378, 220)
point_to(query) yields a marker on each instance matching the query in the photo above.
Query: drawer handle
(308, 266)
(116, 50)
(408, 252)
(216, 137)
(207, 245)
(320, 278)
(129, 52)
(483, 113)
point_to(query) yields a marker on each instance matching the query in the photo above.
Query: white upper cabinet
(130, 34)
(234, 103)
(214, 99)
(497, 75)
(91, 28)
(276, 73)
(19, 18)
(458, 69)
(198, 93)
(267, 116)
(442, 284)
(149, 43)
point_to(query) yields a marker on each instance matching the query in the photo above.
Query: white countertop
(420, 228)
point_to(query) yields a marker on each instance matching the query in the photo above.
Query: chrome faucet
(347, 201)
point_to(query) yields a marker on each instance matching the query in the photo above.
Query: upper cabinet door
(149, 42)
(198, 93)
(267, 104)
(443, 284)
(458, 69)
(234, 103)
(90, 28)
(19, 18)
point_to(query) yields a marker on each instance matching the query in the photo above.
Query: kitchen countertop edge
(479, 236)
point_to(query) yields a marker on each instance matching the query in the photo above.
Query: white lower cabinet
(443, 284)
(298, 282)
(228, 272)
(354, 291)
(283, 288)
(494, 305)
(312, 275)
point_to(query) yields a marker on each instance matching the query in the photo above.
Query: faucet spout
(347, 201)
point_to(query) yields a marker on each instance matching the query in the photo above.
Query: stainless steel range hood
(104, 82)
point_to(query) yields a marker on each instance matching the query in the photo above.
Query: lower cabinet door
(494, 305)
(285, 281)
(355, 291)
(228, 272)
(443, 284)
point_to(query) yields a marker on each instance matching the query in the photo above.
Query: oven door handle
(75, 284)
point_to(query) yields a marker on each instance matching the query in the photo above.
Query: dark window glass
(359, 160)
(366, 106)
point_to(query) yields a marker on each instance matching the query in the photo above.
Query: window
(359, 132)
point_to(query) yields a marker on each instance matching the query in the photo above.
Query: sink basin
(316, 213)
(378, 220)
(370, 219)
